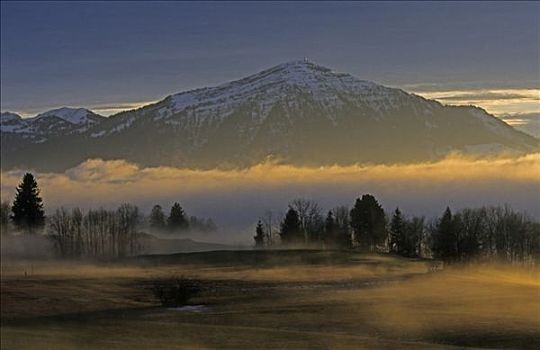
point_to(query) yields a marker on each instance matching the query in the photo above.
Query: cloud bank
(526, 122)
(519, 107)
(496, 101)
(235, 198)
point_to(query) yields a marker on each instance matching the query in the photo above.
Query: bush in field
(175, 293)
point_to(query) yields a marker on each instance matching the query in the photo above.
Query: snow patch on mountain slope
(98, 134)
(77, 116)
(298, 89)
(12, 123)
(126, 124)
(122, 124)
(59, 121)
(6, 117)
(282, 85)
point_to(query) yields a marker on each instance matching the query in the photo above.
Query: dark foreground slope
(292, 300)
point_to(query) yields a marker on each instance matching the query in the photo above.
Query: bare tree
(60, 232)
(128, 218)
(341, 215)
(311, 219)
(271, 222)
(97, 233)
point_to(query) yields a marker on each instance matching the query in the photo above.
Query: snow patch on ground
(190, 308)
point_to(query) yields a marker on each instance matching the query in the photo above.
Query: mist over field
(236, 198)
(361, 301)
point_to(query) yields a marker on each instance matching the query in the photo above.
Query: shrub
(175, 293)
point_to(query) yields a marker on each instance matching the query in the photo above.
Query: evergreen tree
(177, 220)
(444, 243)
(397, 232)
(470, 225)
(356, 219)
(412, 237)
(341, 217)
(157, 218)
(330, 230)
(291, 228)
(27, 210)
(201, 225)
(259, 235)
(368, 222)
(4, 217)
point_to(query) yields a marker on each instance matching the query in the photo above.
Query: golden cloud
(497, 101)
(100, 181)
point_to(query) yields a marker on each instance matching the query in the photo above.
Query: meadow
(274, 299)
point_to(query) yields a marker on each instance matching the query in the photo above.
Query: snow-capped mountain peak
(297, 112)
(285, 84)
(9, 117)
(10, 122)
(60, 121)
(76, 116)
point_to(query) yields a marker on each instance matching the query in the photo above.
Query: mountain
(24, 139)
(297, 112)
(66, 120)
(11, 122)
(57, 122)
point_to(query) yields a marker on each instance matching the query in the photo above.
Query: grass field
(270, 300)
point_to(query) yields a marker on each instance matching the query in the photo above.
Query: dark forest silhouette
(487, 233)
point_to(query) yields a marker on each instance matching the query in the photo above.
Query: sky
(112, 56)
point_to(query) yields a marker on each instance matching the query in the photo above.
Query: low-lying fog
(236, 198)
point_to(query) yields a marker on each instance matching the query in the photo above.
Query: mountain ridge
(299, 112)
(55, 122)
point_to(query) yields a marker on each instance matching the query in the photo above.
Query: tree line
(493, 233)
(95, 233)
(177, 221)
(27, 214)
(487, 233)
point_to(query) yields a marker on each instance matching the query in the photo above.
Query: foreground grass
(268, 300)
